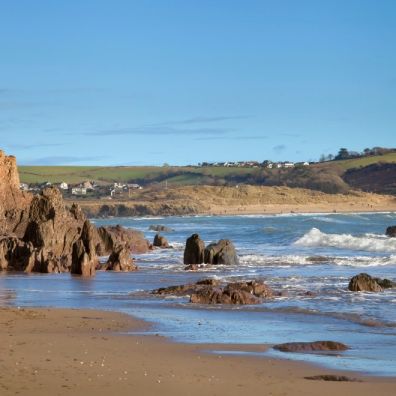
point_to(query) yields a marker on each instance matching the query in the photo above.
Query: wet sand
(70, 352)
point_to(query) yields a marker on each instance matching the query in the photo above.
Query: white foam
(285, 261)
(367, 242)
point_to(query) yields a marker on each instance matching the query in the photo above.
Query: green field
(360, 162)
(174, 175)
(78, 174)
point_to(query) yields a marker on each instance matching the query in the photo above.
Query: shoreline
(212, 200)
(258, 213)
(61, 351)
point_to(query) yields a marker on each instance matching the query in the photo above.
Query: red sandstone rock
(120, 260)
(112, 236)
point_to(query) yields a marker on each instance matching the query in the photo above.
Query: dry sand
(76, 352)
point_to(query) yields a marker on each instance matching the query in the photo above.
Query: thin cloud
(239, 138)
(279, 148)
(294, 135)
(203, 119)
(172, 127)
(59, 160)
(158, 130)
(26, 146)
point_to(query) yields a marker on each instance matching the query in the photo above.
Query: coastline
(64, 351)
(249, 200)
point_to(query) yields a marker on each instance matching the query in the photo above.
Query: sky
(136, 82)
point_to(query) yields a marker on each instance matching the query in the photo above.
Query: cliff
(39, 233)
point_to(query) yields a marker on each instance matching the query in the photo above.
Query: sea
(310, 258)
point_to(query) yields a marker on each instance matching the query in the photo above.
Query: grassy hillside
(365, 161)
(329, 177)
(77, 174)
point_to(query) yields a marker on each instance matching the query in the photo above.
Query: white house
(24, 186)
(63, 186)
(135, 186)
(79, 191)
(288, 165)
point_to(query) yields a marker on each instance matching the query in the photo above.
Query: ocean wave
(293, 260)
(367, 242)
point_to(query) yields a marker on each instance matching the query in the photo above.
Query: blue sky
(148, 82)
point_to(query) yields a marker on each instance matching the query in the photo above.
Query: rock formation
(38, 233)
(210, 291)
(112, 236)
(194, 250)
(160, 241)
(120, 260)
(316, 346)
(13, 202)
(391, 231)
(160, 228)
(222, 252)
(364, 282)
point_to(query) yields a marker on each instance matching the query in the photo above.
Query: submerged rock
(160, 228)
(364, 282)
(385, 283)
(391, 231)
(315, 346)
(194, 250)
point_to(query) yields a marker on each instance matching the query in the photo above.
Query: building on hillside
(79, 191)
(64, 186)
(24, 186)
(134, 186)
(88, 185)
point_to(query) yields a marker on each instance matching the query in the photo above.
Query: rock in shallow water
(160, 241)
(315, 346)
(221, 252)
(120, 260)
(210, 291)
(364, 282)
(194, 250)
(391, 231)
(332, 377)
(160, 228)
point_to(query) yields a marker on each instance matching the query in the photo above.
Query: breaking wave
(254, 260)
(367, 242)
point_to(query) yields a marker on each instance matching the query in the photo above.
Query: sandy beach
(69, 352)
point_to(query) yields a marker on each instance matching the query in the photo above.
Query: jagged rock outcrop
(364, 282)
(13, 201)
(160, 241)
(391, 231)
(194, 250)
(315, 346)
(221, 252)
(120, 260)
(39, 233)
(15, 254)
(113, 236)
